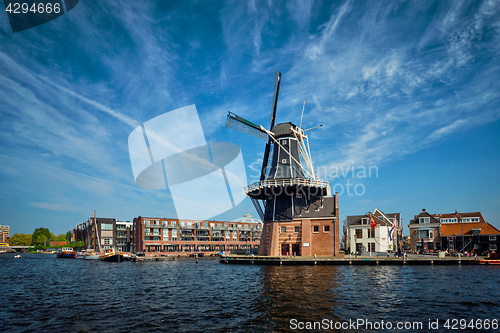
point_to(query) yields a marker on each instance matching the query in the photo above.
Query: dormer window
(423, 220)
(364, 220)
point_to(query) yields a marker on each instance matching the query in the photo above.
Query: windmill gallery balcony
(260, 189)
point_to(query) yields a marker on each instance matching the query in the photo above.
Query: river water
(41, 293)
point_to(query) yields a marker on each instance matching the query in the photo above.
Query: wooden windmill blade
(276, 88)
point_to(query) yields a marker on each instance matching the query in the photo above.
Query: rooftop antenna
(303, 107)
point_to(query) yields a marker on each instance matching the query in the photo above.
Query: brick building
(111, 233)
(174, 236)
(455, 231)
(4, 233)
(313, 230)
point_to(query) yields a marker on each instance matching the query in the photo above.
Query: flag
(373, 225)
(392, 230)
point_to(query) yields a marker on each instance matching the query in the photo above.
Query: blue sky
(411, 88)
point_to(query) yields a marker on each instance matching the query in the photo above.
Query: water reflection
(49, 294)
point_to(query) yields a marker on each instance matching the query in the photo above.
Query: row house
(184, 236)
(455, 231)
(360, 237)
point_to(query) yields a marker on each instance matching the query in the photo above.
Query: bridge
(16, 248)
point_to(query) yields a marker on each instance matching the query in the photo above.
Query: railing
(286, 182)
(188, 227)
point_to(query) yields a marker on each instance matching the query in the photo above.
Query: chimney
(423, 210)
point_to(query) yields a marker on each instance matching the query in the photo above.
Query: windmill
(288, 189)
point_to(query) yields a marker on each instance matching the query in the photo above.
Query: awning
(152, 244)
(424, 229)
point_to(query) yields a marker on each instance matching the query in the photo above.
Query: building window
(425, 234)
(283, 229)
(422, 220)
(107, 226)
(493, 247)
(359, 233)
(315, 228)
(107, 241)
(297, 229)
(493, 237)
(326, 228)
(471, 219)
(371, 233)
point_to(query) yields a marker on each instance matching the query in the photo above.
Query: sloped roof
(450, 229)
(424, 214)
(379, 220)
(462, 215)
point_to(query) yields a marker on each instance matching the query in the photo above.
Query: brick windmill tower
(299, 212)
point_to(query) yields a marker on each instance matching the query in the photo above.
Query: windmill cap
(283, 129)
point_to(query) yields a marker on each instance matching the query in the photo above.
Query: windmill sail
(241, 124)
(276, 89)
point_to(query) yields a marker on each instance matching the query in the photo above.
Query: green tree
(53, 236)
(20, 240)
(41, 236)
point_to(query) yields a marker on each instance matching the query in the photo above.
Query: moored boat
(111, 255)
(92, 256)
(66, 253)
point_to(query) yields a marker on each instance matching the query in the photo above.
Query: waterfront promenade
(345, 260)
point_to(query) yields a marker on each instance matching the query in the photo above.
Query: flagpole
(463, 241)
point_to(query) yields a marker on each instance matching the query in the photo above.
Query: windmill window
(299, 195)
(283, 160)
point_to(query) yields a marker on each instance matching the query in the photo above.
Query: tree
(41, 236)
(20, 240)
(53, 236)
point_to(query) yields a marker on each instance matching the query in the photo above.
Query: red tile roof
(450, 229)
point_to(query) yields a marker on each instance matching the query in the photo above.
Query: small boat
(17, 256)
(92, 256)
(111, 255)
(66, 253)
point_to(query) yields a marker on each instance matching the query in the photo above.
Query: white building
(360, 237)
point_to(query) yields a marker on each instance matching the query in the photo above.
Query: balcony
(218, 228)
(190, 227)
